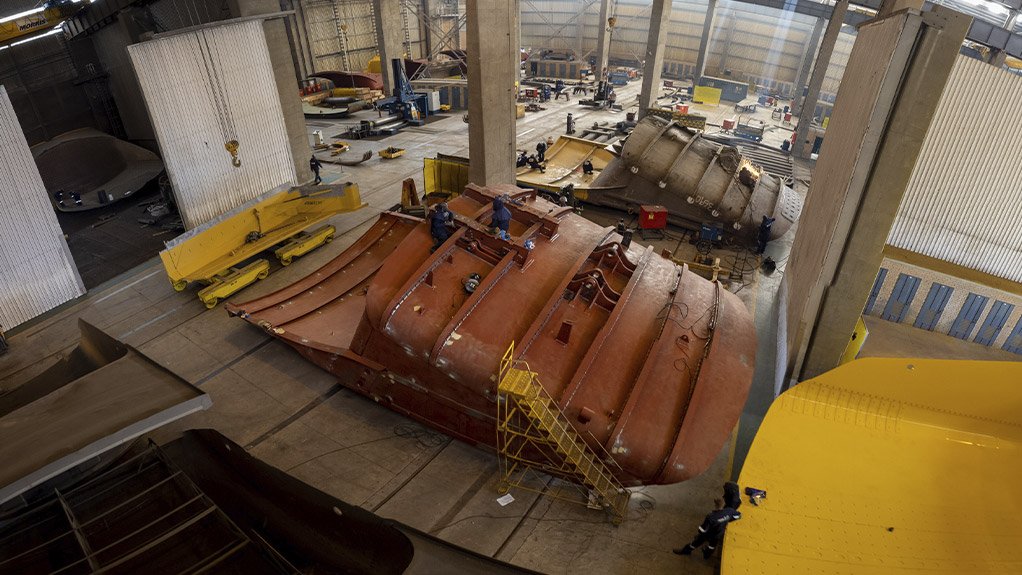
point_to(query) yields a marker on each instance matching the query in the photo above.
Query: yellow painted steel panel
(204, 252)
(706, 95)
(887, 467)
(856, 342)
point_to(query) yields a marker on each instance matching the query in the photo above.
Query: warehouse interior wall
(747, 42)
(38, 272)
(932, 295)
(204, 89)
(111, 44)
(342, 33)
(962, 200)
(49, 94)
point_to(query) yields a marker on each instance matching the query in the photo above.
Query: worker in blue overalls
(441, 220)
(711, 532)
(501, 221)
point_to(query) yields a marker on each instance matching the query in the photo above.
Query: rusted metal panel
(644, 357)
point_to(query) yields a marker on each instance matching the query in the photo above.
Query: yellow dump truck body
(887, 466)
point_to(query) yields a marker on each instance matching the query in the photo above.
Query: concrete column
(493, 64)
(389, 38)
(580, 31)
(659, 17)
(884, 126)
(807, 64)
(704, 40)
(603, 39)
(286, 77)
(805, 118)
(732, 21)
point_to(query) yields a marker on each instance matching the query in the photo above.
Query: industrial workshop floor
(291, 414)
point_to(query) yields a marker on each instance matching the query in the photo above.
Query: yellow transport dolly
(232, 280)
(304, 243)
(222, 253)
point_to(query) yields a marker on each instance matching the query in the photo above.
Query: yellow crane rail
(35, 23)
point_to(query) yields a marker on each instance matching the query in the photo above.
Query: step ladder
(533, 435)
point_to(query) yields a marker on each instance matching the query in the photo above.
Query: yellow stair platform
(534, 435)
(887, 467)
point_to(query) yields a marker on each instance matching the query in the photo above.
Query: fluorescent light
(22, 15)
(56, 30)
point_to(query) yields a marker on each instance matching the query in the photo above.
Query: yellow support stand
(233, 280)
(887, 467)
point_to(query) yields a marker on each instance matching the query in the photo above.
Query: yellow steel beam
(201, 254)
(887, 466)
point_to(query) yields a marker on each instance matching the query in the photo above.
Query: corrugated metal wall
(36, 270)
(962, 205)
(354, 47)
(762, 44)
(202, 89)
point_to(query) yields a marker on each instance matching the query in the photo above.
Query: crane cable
(218, 97)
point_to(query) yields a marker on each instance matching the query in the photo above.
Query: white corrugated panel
(36, 270)
(203, 89)
(962, 203)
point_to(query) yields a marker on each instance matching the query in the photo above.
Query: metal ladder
(533, 434)
(404, 28)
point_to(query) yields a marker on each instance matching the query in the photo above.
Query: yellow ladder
(533, 434)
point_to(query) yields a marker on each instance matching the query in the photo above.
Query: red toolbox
(652, 217)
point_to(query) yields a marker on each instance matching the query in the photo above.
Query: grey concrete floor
(291, 414)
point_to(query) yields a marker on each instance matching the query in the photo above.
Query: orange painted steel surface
(642, 356)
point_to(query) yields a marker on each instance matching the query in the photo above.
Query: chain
(217, 95)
